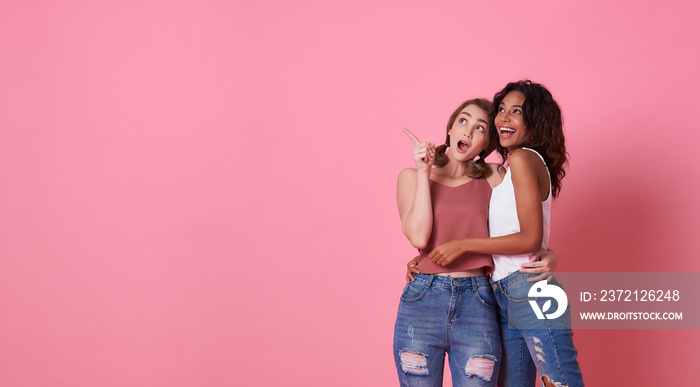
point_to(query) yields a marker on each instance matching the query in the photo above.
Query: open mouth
(506, 130)
(462, 145)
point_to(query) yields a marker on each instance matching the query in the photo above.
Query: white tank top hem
(503, 220)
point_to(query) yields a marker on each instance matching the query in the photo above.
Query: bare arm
(415, 208)
(413, 195)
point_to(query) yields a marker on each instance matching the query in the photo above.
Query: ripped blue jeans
(531, 344)
(457, 316)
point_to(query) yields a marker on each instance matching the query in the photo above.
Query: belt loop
(474, 284)
(430, 280)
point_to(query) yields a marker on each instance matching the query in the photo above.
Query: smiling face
(510, 122)
(468, 133)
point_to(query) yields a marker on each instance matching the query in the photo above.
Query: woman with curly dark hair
(529, 130)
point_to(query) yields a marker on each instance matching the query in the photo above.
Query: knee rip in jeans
(481, 366)
(550, 383)
(414, 363)
(539, 352)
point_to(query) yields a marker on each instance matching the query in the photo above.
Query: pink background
(202, 193)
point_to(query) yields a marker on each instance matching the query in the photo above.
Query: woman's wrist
(464, 245)
(423, 176)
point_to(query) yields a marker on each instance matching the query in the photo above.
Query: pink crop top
(458, 212)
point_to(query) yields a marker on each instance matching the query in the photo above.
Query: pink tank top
(458, 212)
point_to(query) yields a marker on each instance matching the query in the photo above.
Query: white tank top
(503, 220)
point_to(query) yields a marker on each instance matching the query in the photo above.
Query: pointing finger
(412, 136)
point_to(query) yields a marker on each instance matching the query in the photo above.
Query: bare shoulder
(408, 174)
(408, 178)
(521, 157)
(522, 160)
(406, 188)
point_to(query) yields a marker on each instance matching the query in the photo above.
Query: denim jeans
(457, 316)
(530, 344)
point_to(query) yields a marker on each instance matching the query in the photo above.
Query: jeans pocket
(414, 291)
(518, 292)
(485, 296)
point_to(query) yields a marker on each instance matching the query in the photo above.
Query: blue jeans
(530, 344)
(439, 315)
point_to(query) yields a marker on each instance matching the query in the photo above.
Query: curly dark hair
(542, 117)
(474, 169)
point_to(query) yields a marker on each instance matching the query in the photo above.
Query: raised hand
(423, 152)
